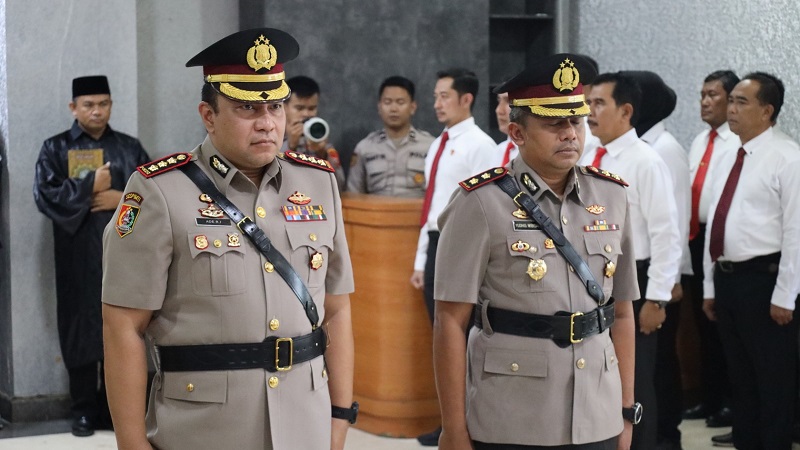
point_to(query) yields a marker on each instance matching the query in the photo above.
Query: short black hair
(626, 90)
(770, 91)
(302, 86)
(727, 77)
(209, 95)
(464, 82)
(398, 81)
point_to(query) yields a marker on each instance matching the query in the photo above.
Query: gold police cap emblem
(566, 77)
(262, 55)
(537, 269)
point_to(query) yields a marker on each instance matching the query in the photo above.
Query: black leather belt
(564, 328)
(762, 264)
(274, 354)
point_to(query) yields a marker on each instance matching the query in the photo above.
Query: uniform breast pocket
(531, 262)
(311, 246)
(415, 170)
(218, 267)
(604, 249)
(377, 173)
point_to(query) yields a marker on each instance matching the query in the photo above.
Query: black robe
(78, 233)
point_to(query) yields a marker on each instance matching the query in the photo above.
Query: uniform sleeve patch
(126, 219)
(133, 197)
(481, 179)
(307, 160)
(599, 173)
(164, 164)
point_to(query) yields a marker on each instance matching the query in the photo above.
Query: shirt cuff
(783, 299)
(708, 289)
(659, 291)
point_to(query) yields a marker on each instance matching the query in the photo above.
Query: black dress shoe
(430, 439)
(695, 412)
(723, 440)
(82, 427)
(722, 418)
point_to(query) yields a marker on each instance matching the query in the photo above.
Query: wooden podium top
(381, 210)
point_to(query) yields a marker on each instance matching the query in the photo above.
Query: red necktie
(426, 205)
(601, 151)
(721, 214)
(697, 185)
(507, 154)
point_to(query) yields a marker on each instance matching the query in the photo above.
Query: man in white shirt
(615, 100)
(705, 153)
(651, 128)
(506, 150)
(461, 151)
(752, 265)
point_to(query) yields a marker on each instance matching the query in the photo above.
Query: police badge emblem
(126, 219)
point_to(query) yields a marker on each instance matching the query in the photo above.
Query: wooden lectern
(393, 349)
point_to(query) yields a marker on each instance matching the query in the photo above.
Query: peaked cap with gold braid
(552, 87)
(248, 66)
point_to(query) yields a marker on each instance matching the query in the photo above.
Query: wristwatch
(633, 414)
(661, 305)
(349, 414)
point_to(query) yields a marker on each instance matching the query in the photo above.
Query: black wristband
(349, 414)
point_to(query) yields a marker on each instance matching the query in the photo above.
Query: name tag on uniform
(524, 225)
(209, 222)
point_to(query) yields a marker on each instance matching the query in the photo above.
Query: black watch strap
(349, 414)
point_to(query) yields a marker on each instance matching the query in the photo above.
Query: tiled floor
(695, 437)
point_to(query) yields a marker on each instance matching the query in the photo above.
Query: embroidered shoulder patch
(164, 164)
(480, 179)
(599, 173)
(307, 160)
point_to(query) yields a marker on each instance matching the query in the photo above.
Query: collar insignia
(220, 167)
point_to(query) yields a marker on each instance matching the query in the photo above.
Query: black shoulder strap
(259, 239)
(509, 185)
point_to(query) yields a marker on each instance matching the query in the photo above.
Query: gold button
(324, 373)
(564, 220)
(273, 382)
(274, 324)
(189, 387)
(608, 248)
(313, 237)
(514, 367)
(217, 243)
(261, 212)
(269, 267)
(581, 363)
(533, 249)
(613, 359)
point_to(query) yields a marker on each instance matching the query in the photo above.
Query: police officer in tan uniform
(391, 161)
(540, 368)
(239, 358)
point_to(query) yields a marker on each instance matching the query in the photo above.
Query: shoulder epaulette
(599, 173)
(476, 181)
(304, 159)
(164, 164)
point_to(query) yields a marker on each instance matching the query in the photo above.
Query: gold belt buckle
(278, 357)
(572, 328)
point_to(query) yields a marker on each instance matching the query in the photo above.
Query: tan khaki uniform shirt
(379, 167)
(529, 391)
(216, 292)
